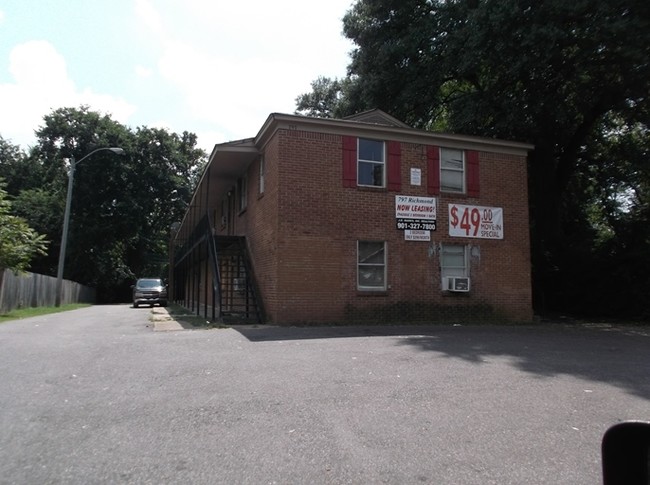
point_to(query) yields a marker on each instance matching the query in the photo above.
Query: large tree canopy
(19, 243)
(122, 206)
(573, 78)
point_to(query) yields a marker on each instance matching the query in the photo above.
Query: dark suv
(149, 291)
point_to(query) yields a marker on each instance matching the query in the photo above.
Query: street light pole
(66, 220)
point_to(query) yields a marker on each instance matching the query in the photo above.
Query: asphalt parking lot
(96, 396)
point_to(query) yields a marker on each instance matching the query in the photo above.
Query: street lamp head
(117, 150)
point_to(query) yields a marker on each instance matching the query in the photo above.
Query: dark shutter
(394, 166)
(473, 185)
(433, 170)
(349, 161)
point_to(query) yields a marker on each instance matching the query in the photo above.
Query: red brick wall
(259, 223)
(303, 235)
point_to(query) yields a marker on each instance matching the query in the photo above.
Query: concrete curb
(163, 322)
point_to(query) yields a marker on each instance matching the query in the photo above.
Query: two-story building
(357, 220)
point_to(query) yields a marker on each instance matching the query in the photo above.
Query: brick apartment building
(356, 220)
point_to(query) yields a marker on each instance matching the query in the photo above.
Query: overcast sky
(216, 68)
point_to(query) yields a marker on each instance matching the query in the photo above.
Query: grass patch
(21, 313)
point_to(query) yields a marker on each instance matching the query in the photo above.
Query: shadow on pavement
(263, 333)
(611, 354)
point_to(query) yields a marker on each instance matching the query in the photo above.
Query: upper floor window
(371, 163)
(242, 190)
(452, 170)
(224, 211)
(261, 185)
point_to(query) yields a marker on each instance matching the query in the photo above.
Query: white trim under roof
(277, 121)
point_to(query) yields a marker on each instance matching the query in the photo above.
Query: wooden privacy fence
(37, 290)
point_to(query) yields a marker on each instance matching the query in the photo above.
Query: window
(370, 164)
(371, 265)
(452, 170)
(261, 175)
(453, 260)
(242, 190)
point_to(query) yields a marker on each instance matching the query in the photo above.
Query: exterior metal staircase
(232, 287)
(238, 295)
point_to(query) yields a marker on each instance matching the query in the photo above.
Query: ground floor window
(454, 267)
(371, 265)
(453, 260)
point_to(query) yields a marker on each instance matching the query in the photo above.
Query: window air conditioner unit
(457, 283)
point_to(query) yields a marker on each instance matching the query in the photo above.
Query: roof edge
(276, 120)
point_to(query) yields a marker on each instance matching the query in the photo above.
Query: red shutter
(473, 185)
(349, 161)
(394, 165)
(433, 170)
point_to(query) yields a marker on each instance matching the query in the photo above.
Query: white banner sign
(475, 221)
(417, 235)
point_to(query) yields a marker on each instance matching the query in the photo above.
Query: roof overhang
(227, 162)
(231, 160)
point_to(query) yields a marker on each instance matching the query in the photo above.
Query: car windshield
(149, 283)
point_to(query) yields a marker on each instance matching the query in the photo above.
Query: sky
(216, 68)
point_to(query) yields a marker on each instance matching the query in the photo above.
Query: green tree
(122, 206)
(329, 98)
(18, 242)
(164, 177)
(551, 73)
(95, 235)
(42, 208)
(607, 255)
(34, 198)
(18, 170)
